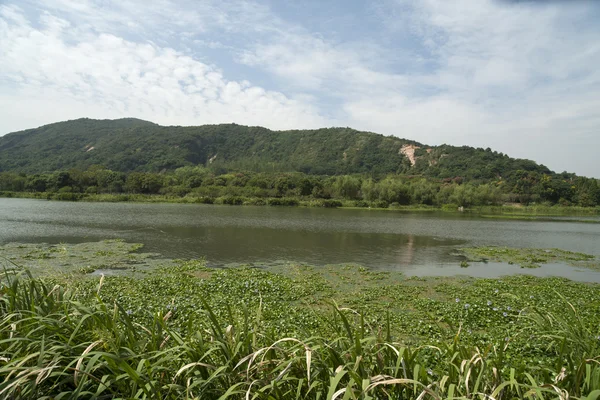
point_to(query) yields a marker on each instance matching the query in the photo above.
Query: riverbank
(180, 328)
(507, 211)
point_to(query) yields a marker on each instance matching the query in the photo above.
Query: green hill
(85, 156)
(135, 145)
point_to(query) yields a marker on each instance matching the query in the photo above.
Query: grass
(188, 331)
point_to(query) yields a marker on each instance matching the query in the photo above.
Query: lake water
(416, 243)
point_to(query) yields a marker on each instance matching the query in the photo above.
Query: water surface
(422, 243)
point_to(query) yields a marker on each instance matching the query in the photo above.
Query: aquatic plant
(55, 346)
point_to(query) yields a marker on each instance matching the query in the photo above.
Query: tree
(347, 187)
(143, 182)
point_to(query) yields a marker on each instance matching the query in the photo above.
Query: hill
(134, 145)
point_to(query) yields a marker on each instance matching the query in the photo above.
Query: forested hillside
(234, 163)
(135, 145)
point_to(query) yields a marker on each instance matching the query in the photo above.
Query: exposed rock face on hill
(409, 151)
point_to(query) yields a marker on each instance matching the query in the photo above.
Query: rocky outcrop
(409, 151)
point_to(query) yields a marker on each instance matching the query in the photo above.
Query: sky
(521, 77)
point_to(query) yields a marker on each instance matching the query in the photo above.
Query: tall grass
(52, 346)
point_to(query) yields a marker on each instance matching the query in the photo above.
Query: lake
(417, 243)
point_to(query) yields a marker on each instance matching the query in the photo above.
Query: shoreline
(316, 319)
(506, 211)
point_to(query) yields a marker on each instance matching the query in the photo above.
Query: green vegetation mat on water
(179, 329)
(108, 257)
(530, 258)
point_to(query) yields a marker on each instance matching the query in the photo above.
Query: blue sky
(521, 77)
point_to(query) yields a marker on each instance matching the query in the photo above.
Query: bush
(379, 204)
(331, 203)
(256, 202)
(230, 200)
(283, 201)
(177, 191)
(204, 200)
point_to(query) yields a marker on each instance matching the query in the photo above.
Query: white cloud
(419, 120)
(114, 77)
(500, 74)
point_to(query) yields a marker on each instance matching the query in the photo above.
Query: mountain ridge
(131, 144)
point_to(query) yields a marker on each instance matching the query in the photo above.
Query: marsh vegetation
(183, 330)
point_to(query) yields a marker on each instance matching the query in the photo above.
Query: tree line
(525, 187)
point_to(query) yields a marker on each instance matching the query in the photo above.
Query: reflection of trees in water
(408, 245)
(406, 253)
(225, 244)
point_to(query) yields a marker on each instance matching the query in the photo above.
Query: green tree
(347, 187)
(143, 182)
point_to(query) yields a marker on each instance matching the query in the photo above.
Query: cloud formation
(68, 73)
(520, 77)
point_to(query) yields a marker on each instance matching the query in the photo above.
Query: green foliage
(198, 183)
(135, 145)
(91, 341)
(138, 157)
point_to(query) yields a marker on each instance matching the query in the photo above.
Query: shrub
(283, 201)
(379, 204)
(328, 203)
(204, 200)
(230, 200)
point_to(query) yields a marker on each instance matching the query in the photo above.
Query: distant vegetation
(207, 185)
(130, 156)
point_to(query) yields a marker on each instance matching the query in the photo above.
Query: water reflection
(224, 234)
(407, 251)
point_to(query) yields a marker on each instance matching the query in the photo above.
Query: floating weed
(87, 269)
(103, 253)
(44, 259)
(529, 258)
